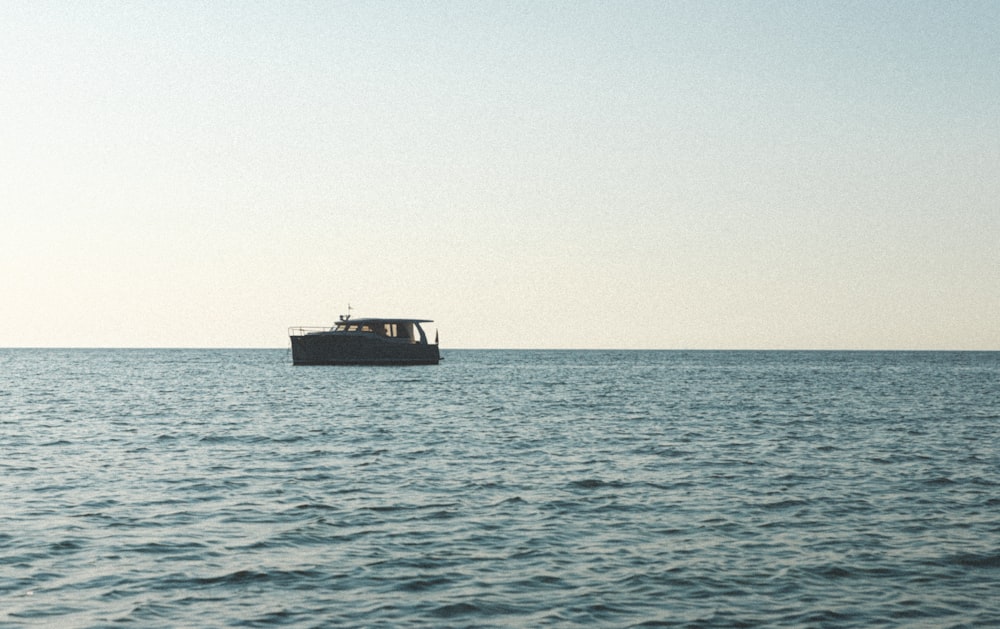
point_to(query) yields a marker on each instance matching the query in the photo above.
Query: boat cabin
(407, 330)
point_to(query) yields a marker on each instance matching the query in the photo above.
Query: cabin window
(403, 331)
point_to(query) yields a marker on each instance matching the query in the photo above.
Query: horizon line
(511, 349)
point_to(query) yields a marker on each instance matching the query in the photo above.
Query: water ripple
(644, 489)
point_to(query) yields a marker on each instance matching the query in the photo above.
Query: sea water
(213, 488)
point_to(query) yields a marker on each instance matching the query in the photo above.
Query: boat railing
(302, 330)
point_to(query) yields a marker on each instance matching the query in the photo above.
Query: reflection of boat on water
(367, 341)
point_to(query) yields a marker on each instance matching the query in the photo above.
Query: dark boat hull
(360, 349)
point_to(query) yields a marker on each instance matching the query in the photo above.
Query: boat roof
(383, 320)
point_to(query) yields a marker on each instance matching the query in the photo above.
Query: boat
(364, 341)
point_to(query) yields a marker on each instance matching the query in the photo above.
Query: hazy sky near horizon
(528, 174)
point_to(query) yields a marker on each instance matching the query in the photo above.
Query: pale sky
(662, 175)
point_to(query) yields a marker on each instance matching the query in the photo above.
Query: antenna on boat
(348, 315)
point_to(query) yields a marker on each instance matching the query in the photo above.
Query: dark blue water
(197, 488)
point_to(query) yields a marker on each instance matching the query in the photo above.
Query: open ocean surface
(215, 488)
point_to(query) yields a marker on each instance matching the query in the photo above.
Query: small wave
(161, 548)
(823, 617)
(542, 581)
(971, 560)
(314, 506)
(836, 572)
(787, 503)
(594, 483)
(244, 577)
(514, 500)
(455, 610)
(66, 546)
(940, 481)
(424, 584)
(240, 577)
